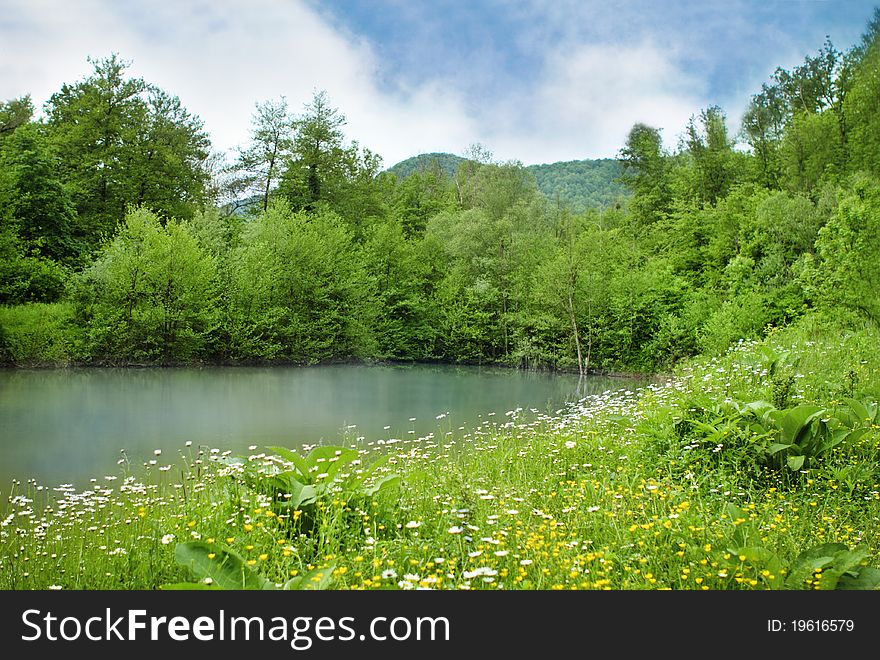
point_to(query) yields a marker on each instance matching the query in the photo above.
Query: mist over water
(67, 426)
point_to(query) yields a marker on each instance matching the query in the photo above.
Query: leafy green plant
(827, 566)
(326, 472)
(789, 438)
(219, 567)
(833, 566)
(807, 431)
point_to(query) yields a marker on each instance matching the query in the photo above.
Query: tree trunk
(574, 330)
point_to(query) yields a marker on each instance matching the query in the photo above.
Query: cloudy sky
(532, 80)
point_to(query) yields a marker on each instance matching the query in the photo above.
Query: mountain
(446, 162)
(581, 183)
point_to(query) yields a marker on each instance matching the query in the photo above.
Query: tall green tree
(845, 275)
(862, 106)
(763, 127)
(34, 197)
(271, 145)
(711, 150)
(324, 171)
(646, 174)
(123, 141)
(316, 167)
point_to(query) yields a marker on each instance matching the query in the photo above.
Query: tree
(298, 289)
(324, 172)
(318, 154)
(763, 127)
(711, 150)
(122, 141)
(35, 198)
(492, 250)
(576, 281)
(150, 293)
(862, 106)
(421, 195)
(846, 271)
(646, 174)
(15, 113)
(820, 86)
(405, 273)
(272, 140)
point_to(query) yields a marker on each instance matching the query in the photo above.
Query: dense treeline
(121, 240)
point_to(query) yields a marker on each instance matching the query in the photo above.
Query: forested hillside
(577, 184)
(118, 244)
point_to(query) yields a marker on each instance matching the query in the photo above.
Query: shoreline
(123, 364)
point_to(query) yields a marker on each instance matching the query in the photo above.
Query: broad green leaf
(793, 423)
(867, 578)
(805, 564)
(795, 463)
(297, 460)
(776, 448)
(315, 580)
(300, 495)
(846, 560)
(861, 410)
(385, 484)
(334, 458)
(223, 565)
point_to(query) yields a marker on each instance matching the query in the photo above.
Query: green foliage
(259, 166)
(833, 566)
(826, 566)
(646, 174)
(26, 278)
(35, 198)
(862, 107)
(404, 273)
(846, 272)
(298, 289)
(122, 141)
(150, 294)
(38, 334)
(742, 317)
(220, 567)
(756, 433)
(307, 490)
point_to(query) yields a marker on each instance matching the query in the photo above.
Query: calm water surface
(67, 426)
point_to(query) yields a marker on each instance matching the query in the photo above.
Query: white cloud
(589, 99)
(221, 58)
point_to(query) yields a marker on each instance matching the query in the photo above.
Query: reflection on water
(65, 426)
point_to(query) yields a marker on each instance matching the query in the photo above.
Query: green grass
(610, 494)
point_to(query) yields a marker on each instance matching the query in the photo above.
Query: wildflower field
(756, 469)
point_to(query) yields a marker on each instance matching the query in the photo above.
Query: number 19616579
(811, 625)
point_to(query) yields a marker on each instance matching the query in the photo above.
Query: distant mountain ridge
(582, 184)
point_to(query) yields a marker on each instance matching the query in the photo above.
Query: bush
(37, 334)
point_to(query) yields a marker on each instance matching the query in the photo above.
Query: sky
(538, 81)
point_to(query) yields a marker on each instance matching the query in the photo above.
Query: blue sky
(532, 80)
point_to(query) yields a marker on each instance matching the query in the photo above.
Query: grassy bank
(686, 485)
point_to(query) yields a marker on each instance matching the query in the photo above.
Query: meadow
(753, 469)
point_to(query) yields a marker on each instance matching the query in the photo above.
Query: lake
(70, 425)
